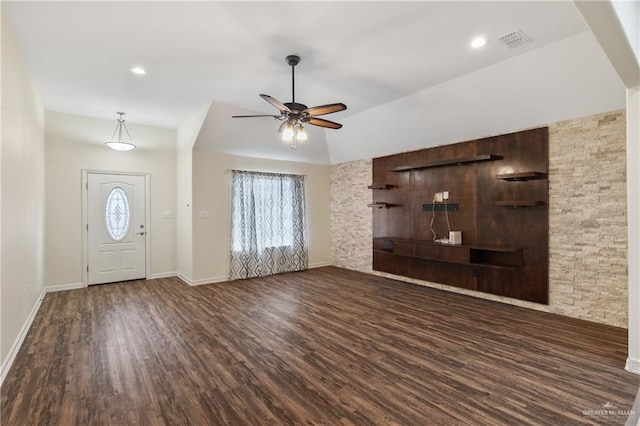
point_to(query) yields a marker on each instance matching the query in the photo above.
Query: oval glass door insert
(117, 218)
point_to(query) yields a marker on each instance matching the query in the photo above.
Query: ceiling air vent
(515, 39)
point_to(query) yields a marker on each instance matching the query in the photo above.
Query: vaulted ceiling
(404, 69)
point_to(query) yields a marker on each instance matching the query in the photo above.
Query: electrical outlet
(445, 195)
(438, 197)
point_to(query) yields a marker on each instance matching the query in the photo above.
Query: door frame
(85, 218)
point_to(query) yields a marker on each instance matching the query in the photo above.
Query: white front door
(116, 228)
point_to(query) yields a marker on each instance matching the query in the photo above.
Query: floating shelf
(519, 203)
(492, 248)
(501, 266)
(514, 177)
(505, 258)
(381, 205)
(452, 162)
(380, 186)
(440, 207)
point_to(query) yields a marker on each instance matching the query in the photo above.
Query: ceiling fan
(293, 114)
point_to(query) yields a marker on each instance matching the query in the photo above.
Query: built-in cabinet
(499, 188)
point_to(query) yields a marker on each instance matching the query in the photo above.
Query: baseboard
(204, 281)
(64, 287)
(633, 365)
(163, 275)
(215, 280)
(320, 264)
(183, 278)
(11, 356)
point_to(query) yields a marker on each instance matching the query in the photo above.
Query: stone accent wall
(588, 218)
(587, 221)
(351, 229)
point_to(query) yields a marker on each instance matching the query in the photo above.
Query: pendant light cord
(119, 127)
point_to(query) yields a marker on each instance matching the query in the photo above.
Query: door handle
(140, 233)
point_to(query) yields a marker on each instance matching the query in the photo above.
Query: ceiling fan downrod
(293, 60)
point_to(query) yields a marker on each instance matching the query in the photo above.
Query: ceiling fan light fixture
(119, 144)
(301, 134)
(287, 133)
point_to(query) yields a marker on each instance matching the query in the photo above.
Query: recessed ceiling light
(478, 42)
(138, 70)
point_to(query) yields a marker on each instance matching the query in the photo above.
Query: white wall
(23, 195)
(613, 28)
(628, 12)
(212, 194)
(74, 143)
(187, 135)
(633, 217)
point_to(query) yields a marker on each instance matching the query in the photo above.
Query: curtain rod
(262, 171)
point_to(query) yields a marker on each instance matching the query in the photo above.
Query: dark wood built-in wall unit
(498, 198)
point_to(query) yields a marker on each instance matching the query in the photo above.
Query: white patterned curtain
(268, 232)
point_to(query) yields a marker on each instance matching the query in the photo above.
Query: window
(117, 217)
(268, 234)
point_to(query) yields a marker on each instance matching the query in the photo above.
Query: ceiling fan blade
(276, 103)
(259, 115)
(325, 109)
(323, 123)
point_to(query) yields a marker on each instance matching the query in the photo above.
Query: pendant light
(119, 144)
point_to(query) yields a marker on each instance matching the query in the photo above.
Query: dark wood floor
(325, 346)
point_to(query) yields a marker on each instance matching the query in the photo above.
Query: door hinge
(87, 268)
(86, 184)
